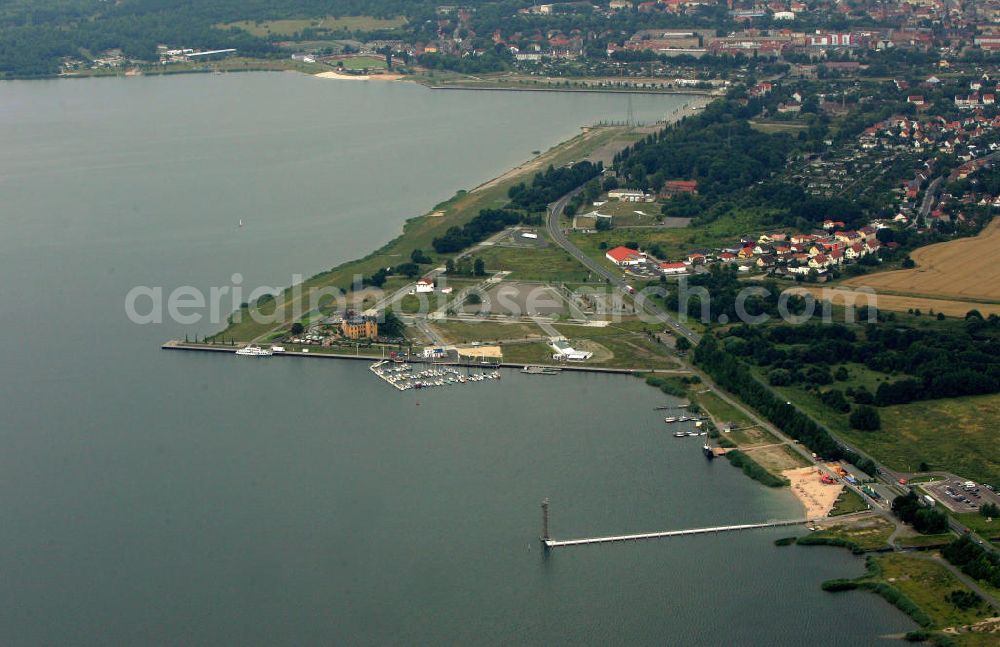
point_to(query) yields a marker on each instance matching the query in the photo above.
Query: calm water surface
(152, 497)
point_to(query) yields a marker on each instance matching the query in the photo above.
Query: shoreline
(358, 77)
(210, 348)
(265, 65)
(580, 146)
(498, 88)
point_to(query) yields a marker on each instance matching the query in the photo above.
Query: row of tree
(945, 362)
(736, 377)
(487, 222)
(551, 185)
(974, 560)
(923, 519)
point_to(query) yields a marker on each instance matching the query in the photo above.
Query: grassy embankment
(864, 535)
(753, 441)
(418, 232)
(923, 589)
(230, 64)
(514, 81)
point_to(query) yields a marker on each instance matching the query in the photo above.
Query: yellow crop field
(958, 269)
(899, 302)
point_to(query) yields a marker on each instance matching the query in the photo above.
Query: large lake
(154, 497)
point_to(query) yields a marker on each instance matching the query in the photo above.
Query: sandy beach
(358, 77)
(817, 497)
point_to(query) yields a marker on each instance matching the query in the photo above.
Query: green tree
(990, 510)
(479, 267)
(865, 418)
(297, 328)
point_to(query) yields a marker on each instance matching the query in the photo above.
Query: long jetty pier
(558, 543)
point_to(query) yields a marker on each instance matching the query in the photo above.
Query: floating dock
(401, 376)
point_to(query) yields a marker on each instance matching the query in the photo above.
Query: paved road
(613, 278)
(929, 195)
(889, 477)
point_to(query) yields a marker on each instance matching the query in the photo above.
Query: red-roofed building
(624, 256)
(673, 268)
(673, 187)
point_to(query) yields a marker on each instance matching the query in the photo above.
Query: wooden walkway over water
(558, 543)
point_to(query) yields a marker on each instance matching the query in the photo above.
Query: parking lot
(514, 299)
(526, 238)
(955, 495)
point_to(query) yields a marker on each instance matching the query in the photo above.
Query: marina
(403, 377)
(673, 419)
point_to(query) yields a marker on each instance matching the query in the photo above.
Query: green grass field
(535, 353)
(362, 63)
(269, 28)
(959, 435)
(778, 126)
(990, 529)
(870, 534)
(927, 583)
(458, 332)
(550, 263)
(721, 410)
(629, 343)
(849, 501)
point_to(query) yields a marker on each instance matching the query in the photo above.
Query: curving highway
(555, 232)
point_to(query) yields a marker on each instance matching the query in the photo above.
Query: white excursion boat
(255, 351)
